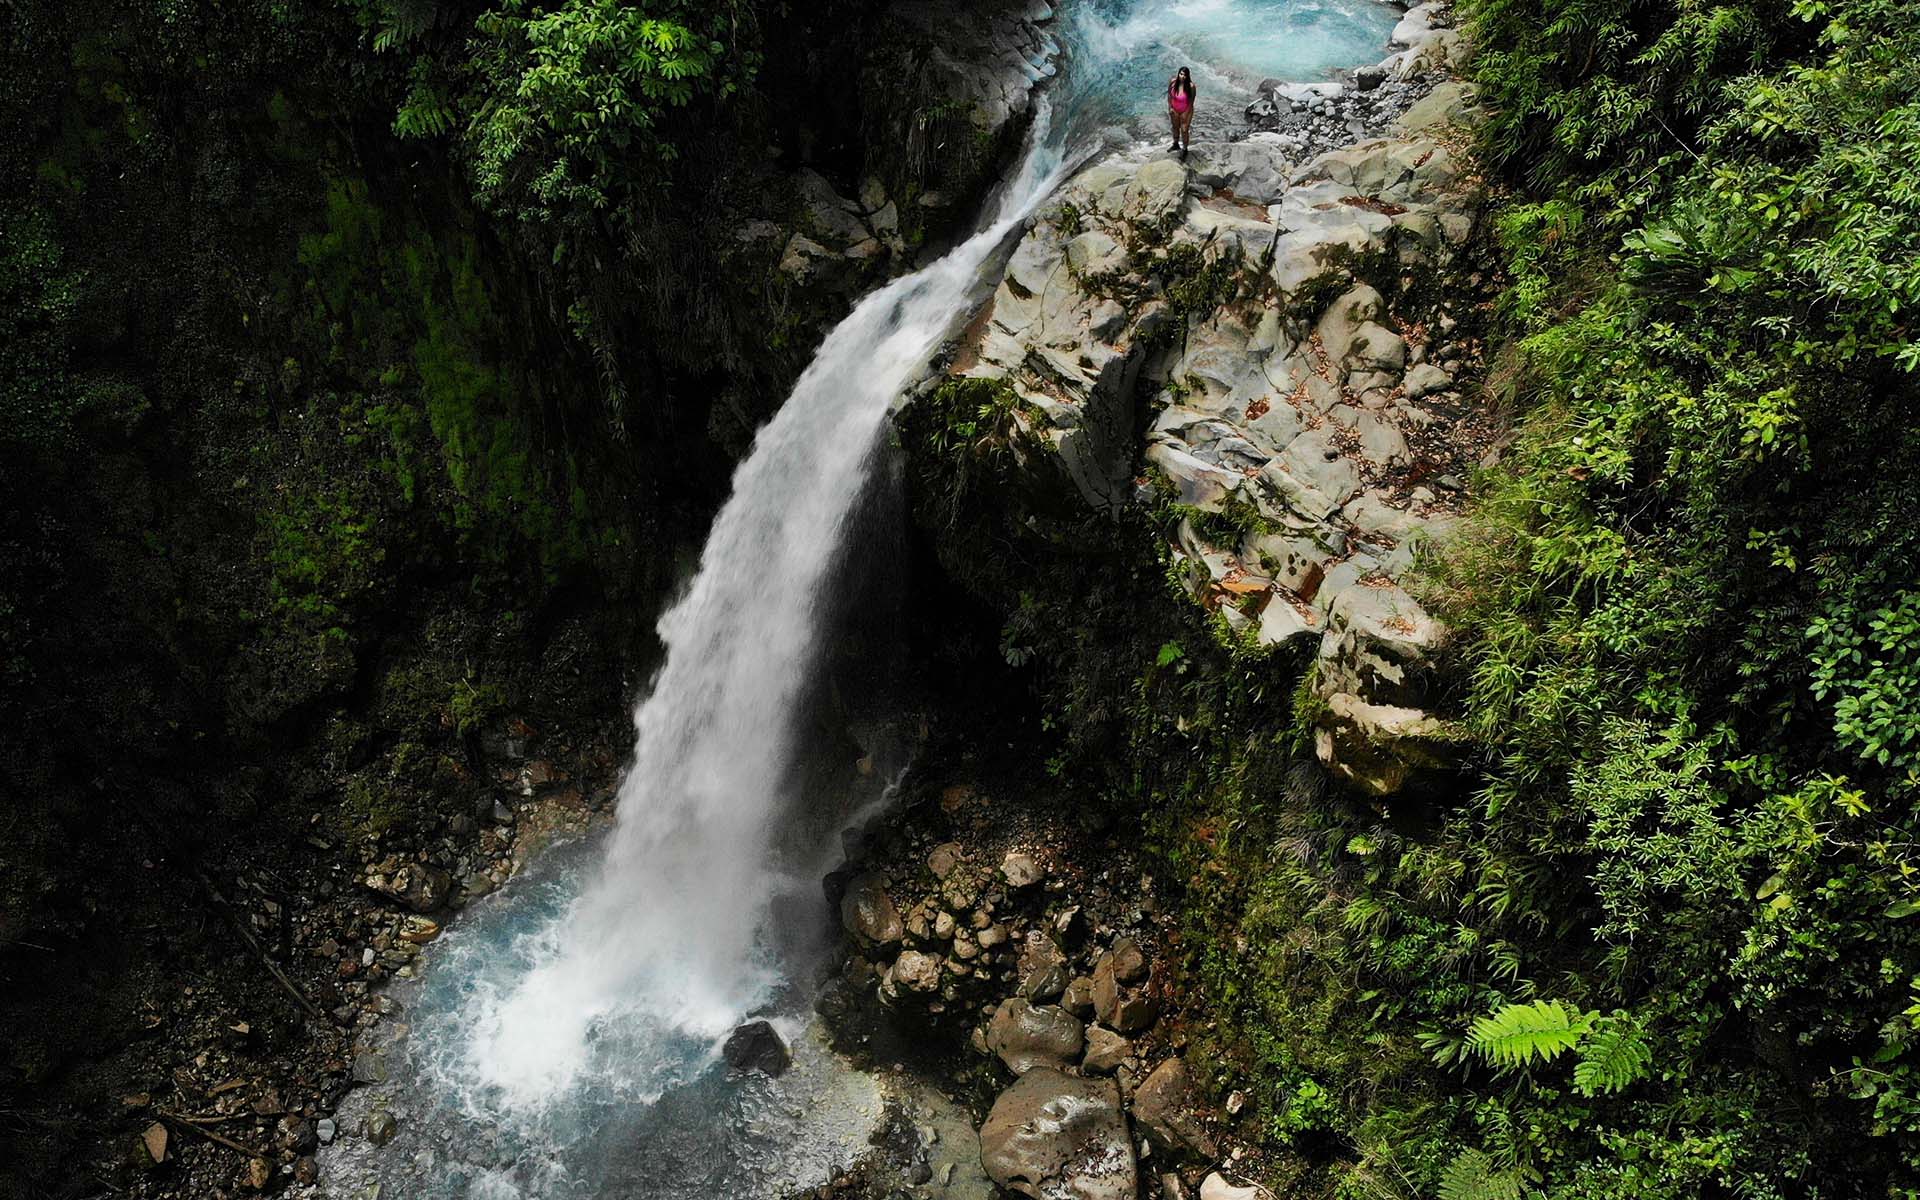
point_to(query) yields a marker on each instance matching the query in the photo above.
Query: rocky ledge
(977, 74)
(1289, 335)
(1270, 346)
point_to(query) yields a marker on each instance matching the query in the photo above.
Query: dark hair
(1183, 81)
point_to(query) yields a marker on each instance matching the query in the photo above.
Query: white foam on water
(667, 935)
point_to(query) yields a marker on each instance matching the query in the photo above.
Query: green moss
(372, 808)
(473, 703)
(321, 554)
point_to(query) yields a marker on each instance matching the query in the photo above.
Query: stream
(562, 1039)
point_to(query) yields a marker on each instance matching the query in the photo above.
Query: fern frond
(1614, 1056)
(1518, 1034)
(1472, 1176)
(1444, 1047)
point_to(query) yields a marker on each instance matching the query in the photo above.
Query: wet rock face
(1052, 1136)
(757, 1046)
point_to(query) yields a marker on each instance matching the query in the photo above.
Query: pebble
(326, 1130)
(381, 1127)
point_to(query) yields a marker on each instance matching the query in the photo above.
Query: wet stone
(1026, 1035)
(381, 1127)
(757, 1046)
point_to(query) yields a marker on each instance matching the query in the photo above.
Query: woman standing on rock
(1180, 97)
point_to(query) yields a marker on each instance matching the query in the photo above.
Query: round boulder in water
(381, 1127)
(756, 1046)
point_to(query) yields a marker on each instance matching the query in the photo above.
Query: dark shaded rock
(756, 1046)
(1168, 1110)
(868, 912)
(1078, 998)
(1054, 1137)
(416, 885)
(1042, 972)
(1117, 1006)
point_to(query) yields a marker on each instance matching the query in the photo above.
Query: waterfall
(623, 994)
(666, 941)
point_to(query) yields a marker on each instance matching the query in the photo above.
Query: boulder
(1095, 253)
(1216, 1187)
(1378, 748)
(1424, 379)
(868, 913)
(944, 858)
(1451, 103)
(1127, 1009)
(1042, 972)
(1026, 1035)
(757, 1046)
(1078, 998)
(806, 261)
(1020, 870)
(1054, 1137)
(1106, 1050)
(1155, 193)
(381, 1127)
(1167, 1108)
(1357, 307)
(420, 887)
(1129, 962)
(1197, 482)
(915, 972)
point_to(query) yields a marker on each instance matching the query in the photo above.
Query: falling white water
(665, 941)
(619, 990)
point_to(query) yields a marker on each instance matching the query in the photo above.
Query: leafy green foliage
(1474, 1176)
(1518, 1034)
(575, 101)
(1613, 1055)
(1870, 667)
